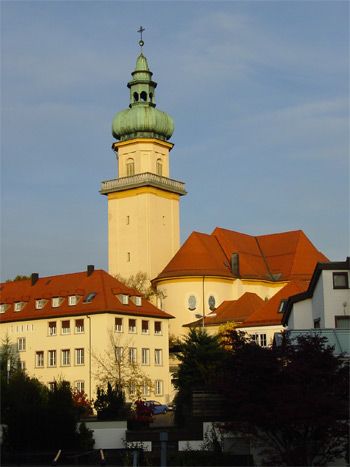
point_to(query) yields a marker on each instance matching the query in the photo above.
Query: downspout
(89, 318)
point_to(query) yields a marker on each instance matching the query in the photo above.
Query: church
(60, 323)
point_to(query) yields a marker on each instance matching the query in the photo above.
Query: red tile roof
(105, 286)
(269, 314)
(280, 256)
(234, 310)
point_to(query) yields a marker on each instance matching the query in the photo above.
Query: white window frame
(17, 306)
(80, 385)
(65, 357)
(138, 301)
(40, 303)
(158, 357)
(144, 330)
(72, 300)
(158, 333)
(132, 355)
(21, 344)
(132, 388)
(79, 329)
(79, 356)
(51, 358)
(118, 327)
(145, 389)
(3, 307)
(51, 328)
(145, 352)
(132, 329)
(39, 359)
(65, 330)
(159, 387)
(55, 302)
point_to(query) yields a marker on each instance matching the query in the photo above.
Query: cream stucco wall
(143, 231)
(178, 290)
(97, 329)
(144, 153)
(260, 331)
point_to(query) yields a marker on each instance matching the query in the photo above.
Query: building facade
(87, 328)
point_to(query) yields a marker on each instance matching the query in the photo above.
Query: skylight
(89, 297)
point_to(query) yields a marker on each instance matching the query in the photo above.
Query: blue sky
(259, 92)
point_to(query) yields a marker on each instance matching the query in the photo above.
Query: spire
(142, 120)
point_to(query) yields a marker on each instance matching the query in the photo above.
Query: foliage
(19, 277)
(199, 355)
(110, 403)
(142, 283)
(82, 403)
(293, 401)
(8, 354)
(114, 366)
(85, 436)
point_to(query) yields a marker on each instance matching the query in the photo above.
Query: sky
(258, 90)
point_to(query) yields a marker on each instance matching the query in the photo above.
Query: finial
(141, 43)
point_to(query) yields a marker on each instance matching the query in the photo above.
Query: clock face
(192, 302)
(211, 302)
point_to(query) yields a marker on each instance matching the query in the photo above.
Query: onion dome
(142, 119)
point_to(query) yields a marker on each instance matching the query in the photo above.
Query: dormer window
(17, 306)
(56, 302)
(3, 307)
(124, 299)
(72, 300)
(137, 300)
(89, 297)
(40, 303)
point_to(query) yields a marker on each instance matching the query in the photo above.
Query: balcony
(140, 180)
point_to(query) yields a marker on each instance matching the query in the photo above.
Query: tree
(110, 403)
(141, 282)
(198, 355)
(9, 359)
(19, 277)
(293, 401)
(115, 367)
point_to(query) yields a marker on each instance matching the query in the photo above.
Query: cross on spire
(141, 42)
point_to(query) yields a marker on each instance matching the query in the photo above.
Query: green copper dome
(142, 119)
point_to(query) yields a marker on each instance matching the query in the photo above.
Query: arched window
(136, 96)
(143, 96)
(130, 167)
(192, 303)
(159, 167)
(211, 302)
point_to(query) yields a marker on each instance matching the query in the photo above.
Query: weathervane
(141, 43)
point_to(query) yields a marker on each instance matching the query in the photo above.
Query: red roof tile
(269, 314)
(105, 286)
(280, 256)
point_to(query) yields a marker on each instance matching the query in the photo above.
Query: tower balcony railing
(142, 179)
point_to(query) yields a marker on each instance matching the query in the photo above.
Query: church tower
(143, 201)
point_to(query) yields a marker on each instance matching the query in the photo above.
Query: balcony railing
(143, 179)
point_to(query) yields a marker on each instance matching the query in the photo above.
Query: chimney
(235, 264)
(90, 269)
(34, 277)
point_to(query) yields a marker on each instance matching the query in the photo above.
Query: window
(124, 299)
(132, 355)
(118, 324)
(89, 297)
(72, 300)
(40, 303)
(118, 352)
(138, 301)
(39, 359)
(192, 303)
(132, 326)
(263, 340)
(66, 327)
(79, 357)
(22, 365)
(130, 167)
(145, 357)
(3, 307)
(260, 339)
(52, 328)
(340, 280)
(158, 357)
(158, 389)
(342, 322)
(51, 358)
(144, 327)
(145, 389)
(79, 326)
(159, 167)
(158, 327)
(55, 302)
(18, 306)
(21, 344)
(317, 323)
(80, 385)
(211, 302)
(65, 357)
(52, 385)
(282, 306)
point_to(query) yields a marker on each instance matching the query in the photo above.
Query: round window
(192, 302)
(211, 302)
